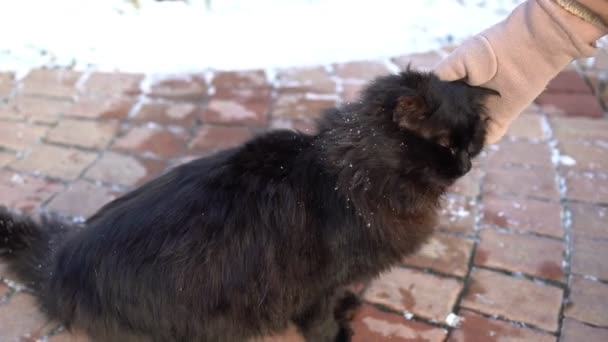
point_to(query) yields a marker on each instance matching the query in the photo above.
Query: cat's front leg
(345, 308)
(328, 319)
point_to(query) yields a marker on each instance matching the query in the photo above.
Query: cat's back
(199, 203)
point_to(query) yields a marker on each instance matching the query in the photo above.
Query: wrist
(599, 7)
(592, 11)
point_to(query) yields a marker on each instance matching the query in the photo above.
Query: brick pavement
(519, 254)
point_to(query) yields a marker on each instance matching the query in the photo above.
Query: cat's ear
(410, 110)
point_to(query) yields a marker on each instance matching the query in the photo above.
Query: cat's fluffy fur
(238, 244)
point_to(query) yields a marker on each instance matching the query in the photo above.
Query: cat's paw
(346, 307)
(345, 334)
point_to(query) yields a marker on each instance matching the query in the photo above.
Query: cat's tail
(27, 245)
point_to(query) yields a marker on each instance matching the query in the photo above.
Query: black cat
(237, 245)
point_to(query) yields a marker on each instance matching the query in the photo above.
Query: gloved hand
(519, 56)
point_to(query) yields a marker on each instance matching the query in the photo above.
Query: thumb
(474, 61)
(451, 68)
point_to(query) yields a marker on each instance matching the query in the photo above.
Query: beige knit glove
(519, 56)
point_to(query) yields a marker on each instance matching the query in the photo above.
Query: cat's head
(447, 118)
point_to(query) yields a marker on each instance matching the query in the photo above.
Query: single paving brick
(587, 186)
(88, 134)
(588, 302)
(58, 162)
(39, 110)
(415, 292)
(519, 152)
(361, 70)
(115, 168)
(577, 105)
(579, 129)
(215, 138)
(524, 215)
(476, 328)
(112, 84)
(252, 111)
(301, 107)
(371, 324)
(168, 113)
(143, 140)
(25, 193)
(536, 256)
(470, 184)
(315, 80)
(457, 214)
(585, 155)
(444, 253)
(21, 319)
(575, 331)
(184, 87)
(568, 82)
(589, 220)
(589, 256)
(535, 182)
(528, 127)
(81, 199)
(248, 84)
(46, 82)
(101, 108)
(513, 298)
(20, 136)
(420, 61)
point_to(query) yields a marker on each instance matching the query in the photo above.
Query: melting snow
(16, 178)
(567, 160)
(453, 320)
(187, 36)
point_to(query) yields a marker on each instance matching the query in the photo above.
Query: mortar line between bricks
(590, 278)
(99, 183)
(597, 92)
(512, 322)
(274, 95)
(476, 240)
(44, 177)
(144, 98)
(521, 232)
(605, 327)
(513, 196)
(415, 318)
(339, 82)
(99, 154)
(520, 275)
(140, 155)
(75, 147)
(567, 240)
(430, 271)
